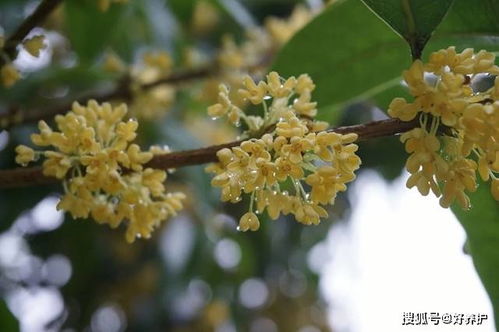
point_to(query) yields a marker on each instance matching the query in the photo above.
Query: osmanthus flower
(154, 101)
(34, 45)
(102, 171)
(251, 57)
(281, 30)
(446, 161)
(292, 151)
(9, 74)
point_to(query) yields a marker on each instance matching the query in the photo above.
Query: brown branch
(22, 177)
(122, 92)
(185, 76)
(16, 116)
(36, 18)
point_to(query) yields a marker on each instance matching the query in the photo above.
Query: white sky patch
(400, 252)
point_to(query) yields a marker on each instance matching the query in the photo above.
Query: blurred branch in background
(21, 177)
(122, 91)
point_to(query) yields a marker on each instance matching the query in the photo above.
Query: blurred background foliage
(197, 273)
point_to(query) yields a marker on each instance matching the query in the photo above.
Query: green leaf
(415, 21)
(7, 320)
(469, 24)
(183, 9)
(90, 30)
(352, 55)
(481, 224)
(348, 52)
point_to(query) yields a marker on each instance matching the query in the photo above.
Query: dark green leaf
(415, 21)
(183, 9)
(348, 52)
(90, 30)
(7, 321)
(352, 55)
(481, 224)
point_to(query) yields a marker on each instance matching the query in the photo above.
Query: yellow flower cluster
(252, 55)
(446, 159)
(261, 42)
(282, 30)
(205, 17)
(9, 74)
(147, 103)
(102, 171)
(294, 150)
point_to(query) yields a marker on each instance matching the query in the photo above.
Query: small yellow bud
(9, 75)
(25, 155)
(216, 111)
(113, 64)
(160, 60)
(249, 221)
(204, 18)
(103, 5)
(34, 45)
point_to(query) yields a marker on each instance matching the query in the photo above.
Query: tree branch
(23, 177)
(36, 18)
(16, 116)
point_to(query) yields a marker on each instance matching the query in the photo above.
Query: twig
(22, 177)
(121, 92)
(180, 77)
(16, 116)
(36, 18)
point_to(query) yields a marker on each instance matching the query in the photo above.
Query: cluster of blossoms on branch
(234, 62)
(295, 153)
(102, 171)
(147, 103)
(8, 72)
(253, 55)
(446, 92)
